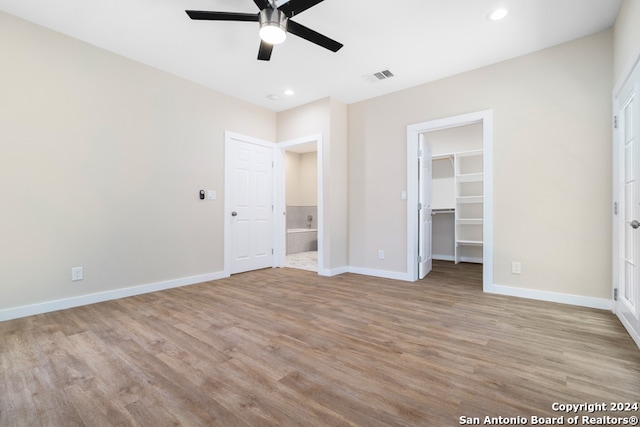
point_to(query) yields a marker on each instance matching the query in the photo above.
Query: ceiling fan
(274, 22)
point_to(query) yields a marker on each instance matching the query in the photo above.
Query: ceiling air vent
(376, 77)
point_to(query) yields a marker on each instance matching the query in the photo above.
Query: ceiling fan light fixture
(273, 26)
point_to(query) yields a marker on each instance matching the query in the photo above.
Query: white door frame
(229, 138)
(281, 202)
(618, 219)
(413, 137)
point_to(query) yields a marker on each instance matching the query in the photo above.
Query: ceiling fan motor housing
(273, 25)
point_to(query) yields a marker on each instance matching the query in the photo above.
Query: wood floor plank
(282, 347)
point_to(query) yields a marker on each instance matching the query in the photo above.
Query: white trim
(329, 272)
(452, 258)
(591, 302)
(61, 304)
(396, 275)
(281, 202)
(413, 134)
(229, 137)
(632, 332)
(471, 260)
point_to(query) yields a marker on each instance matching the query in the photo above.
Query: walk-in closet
(457, 193)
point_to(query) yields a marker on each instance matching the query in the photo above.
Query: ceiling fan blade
(294, 7)
(264, 53)
(313, 36)
(262, 4)
(221, 16)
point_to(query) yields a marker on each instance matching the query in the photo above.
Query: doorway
(414, 132)
(299, 205)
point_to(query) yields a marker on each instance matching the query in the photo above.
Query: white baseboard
(600, 303)
(329, 272)
(452, 258)
(396, 275)
(49, 306)
(471, 260)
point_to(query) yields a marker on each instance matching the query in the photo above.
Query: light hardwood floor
(284, 347)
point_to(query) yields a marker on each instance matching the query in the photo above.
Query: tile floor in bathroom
(303, 261)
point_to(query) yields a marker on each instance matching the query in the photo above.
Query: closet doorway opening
(459, 193)
(301, 204)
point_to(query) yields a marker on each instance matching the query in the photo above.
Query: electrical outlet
(516, 267)
(77, 273)
(380, 254)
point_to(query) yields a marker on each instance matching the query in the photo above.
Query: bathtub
(302, 240)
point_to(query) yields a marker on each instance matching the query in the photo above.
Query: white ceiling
(418, 40)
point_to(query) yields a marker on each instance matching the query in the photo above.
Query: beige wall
(455, 140)
(552, 174)
(626, 34)
(101, 161)
(302, 178)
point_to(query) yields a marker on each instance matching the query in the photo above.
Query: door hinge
(419, 258)
(615, 294)
(419, 206)
(615, 208)
(271, 251)
(419, 153)
(272, 165)
(615, 122)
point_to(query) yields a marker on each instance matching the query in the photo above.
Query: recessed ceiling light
(288, 92)
(497, 14)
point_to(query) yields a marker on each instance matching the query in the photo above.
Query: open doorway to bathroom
(301, 215)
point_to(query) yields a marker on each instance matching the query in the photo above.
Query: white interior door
(627, 294)
(250, 205)
(425, 220)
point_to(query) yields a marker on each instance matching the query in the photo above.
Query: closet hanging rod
(441, 211)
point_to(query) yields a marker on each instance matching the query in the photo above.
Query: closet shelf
(470, 177)
(479, 152)
(469, 221)
(469, 199)
(467, 182)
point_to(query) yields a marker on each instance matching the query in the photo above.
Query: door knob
(234, 213)
(635, 224)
